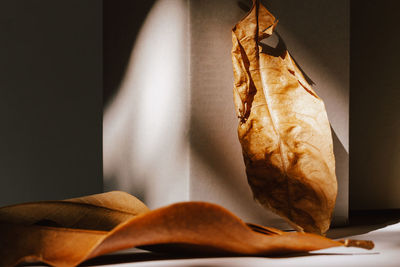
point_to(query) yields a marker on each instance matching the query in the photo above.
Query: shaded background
(51, 99)
(374, 105)
(122, 21)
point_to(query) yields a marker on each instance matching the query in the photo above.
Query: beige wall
(184, 145)
(170, 132)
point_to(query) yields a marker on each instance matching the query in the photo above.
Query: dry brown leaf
(283, 129)
(197, 227)
(96, 212)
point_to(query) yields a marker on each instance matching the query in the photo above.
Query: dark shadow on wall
(122, 20)
(315, 21)
(50, 100)
(375, 105)
(321, 25)
(279, 49)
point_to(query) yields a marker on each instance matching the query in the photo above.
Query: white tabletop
(386, 253)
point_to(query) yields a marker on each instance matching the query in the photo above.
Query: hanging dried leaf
(283, 129)
(76, 231)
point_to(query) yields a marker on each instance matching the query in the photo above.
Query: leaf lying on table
(283, 128)
(66, 233)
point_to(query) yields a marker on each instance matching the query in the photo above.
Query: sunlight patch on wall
(145, 124)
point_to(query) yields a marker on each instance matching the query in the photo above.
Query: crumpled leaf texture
(283, 128)
(66, 233)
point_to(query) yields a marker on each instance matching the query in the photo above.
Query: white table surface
(386, 253)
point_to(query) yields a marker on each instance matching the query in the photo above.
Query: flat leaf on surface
(66, 233)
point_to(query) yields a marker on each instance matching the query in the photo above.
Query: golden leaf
(283, 128)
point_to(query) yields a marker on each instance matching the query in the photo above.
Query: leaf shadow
(152, 256)
(131, 257)
(279, 50)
